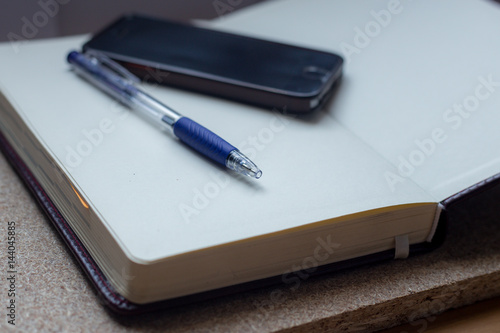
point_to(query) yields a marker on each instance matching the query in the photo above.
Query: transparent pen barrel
(155, 109)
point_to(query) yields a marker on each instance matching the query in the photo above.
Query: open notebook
(413, 125)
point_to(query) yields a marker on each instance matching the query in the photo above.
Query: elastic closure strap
(402, 249)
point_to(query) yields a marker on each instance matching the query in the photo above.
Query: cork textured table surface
(481, 317)
(52, 293)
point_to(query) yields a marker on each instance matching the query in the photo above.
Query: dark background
(51, 18)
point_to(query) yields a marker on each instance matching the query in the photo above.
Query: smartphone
(244, 69)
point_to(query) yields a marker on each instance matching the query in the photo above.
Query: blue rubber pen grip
(202, 140)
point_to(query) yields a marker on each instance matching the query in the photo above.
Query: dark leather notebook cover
(119, 304)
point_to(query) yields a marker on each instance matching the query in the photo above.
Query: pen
(115, 80)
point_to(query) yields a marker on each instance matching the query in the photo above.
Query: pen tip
(240, 163)
(252, 171)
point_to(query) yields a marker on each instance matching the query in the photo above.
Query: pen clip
(113, 65)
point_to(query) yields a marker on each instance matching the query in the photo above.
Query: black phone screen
(213, 54)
